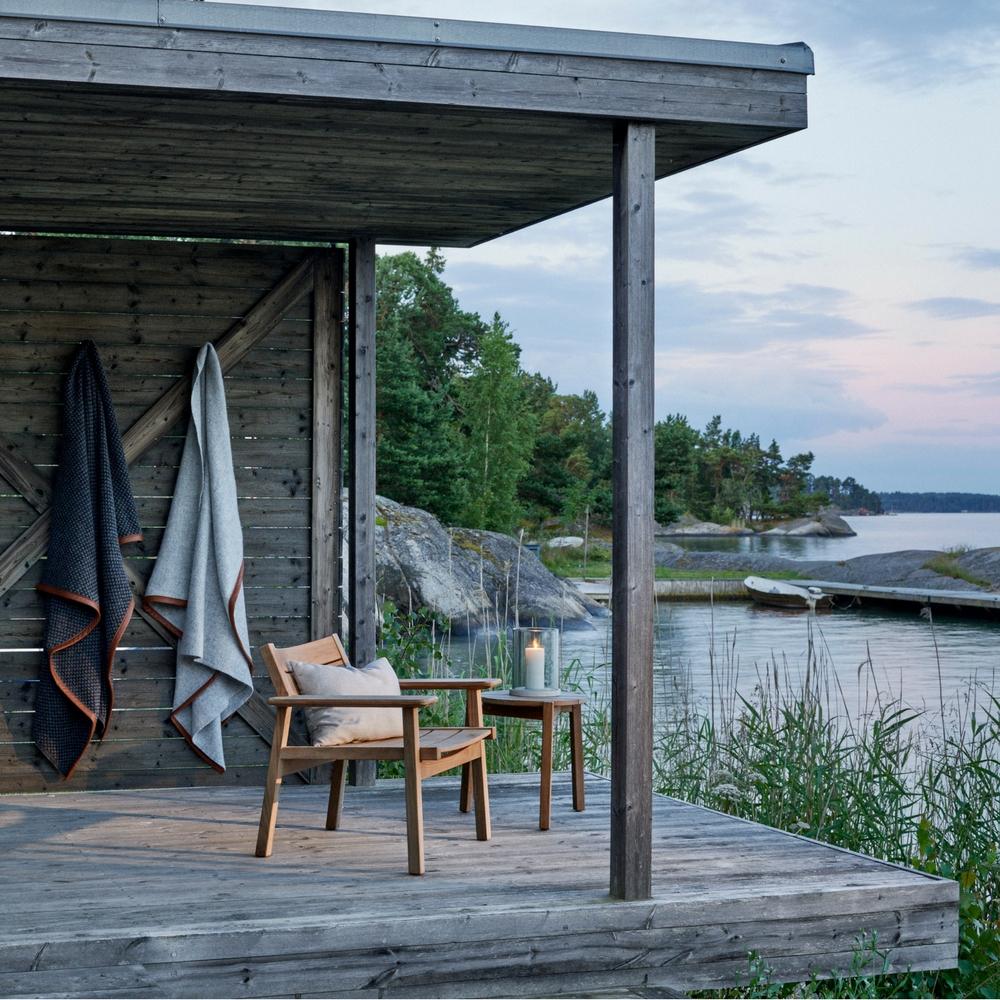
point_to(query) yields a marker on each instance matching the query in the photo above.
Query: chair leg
(269, 808)
(414, 793)
(465, 795)
(483, 828)
(576, 753)
(545, 796)
(473, 717)
(336, 805)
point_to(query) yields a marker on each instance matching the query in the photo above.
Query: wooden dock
(975, 602)
(671, 590)
(960, 601)
(156, 894)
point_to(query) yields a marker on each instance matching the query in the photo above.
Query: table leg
(545, 803)
(576, 753)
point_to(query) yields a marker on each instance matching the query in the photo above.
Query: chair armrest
(357, 701)
(450, 684)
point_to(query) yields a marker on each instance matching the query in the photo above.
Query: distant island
(940, 503)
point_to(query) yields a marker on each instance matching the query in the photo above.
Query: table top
(501, 698)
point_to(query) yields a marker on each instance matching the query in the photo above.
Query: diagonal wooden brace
(231, 347)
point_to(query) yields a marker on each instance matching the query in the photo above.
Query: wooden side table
(544, 710)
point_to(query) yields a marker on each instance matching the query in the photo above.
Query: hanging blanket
(196, 589)
(88, 600)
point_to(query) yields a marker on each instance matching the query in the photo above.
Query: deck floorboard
(156, 893)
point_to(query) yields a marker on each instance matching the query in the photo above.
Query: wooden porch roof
(180, 118)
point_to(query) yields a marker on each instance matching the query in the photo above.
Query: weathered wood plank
(361, 467)
(332, 77)
(327, 443)
(231, 348)
(632, 586)
(545, 926)
(423, 55)
(39, 347)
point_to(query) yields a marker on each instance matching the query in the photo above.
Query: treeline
(941, 503)
(464, 432)
(848, 494)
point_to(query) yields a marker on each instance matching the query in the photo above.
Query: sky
(837, 289)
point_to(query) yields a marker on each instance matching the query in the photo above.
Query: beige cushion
(330, 727)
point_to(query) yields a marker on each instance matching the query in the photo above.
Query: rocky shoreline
(908, 568)
(825, 524)
(476, 579)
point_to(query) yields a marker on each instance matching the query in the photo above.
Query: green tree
(419, 452)
(414, 301)
(500, 431)
(676, 444)
(571, 464)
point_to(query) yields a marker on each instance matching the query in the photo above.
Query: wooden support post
(327, 478)
(632, 556)
(361, 495)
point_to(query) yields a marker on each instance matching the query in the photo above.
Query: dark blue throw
(87, 594)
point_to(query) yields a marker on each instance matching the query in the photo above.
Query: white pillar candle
(534, 667)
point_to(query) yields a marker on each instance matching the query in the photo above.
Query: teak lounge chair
(424, 752)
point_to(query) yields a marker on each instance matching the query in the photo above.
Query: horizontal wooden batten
(150, 306)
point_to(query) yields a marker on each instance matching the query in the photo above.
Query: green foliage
(882, 781)
(790, 757)
(941, 503)
(463, 432)
(571, 465)
(676, 469)
(721, 475)
(500, 431)
(947, 564)
(848, 494)
(418, 446)
(423, 343)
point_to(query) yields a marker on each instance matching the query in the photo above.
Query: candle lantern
(536, 663)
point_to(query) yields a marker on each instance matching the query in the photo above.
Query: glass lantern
(536, 663)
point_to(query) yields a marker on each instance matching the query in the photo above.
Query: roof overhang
(184, 118)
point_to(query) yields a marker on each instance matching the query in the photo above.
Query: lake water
(874, 534)
(701, 648)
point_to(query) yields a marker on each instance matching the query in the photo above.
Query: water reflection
(704, 653)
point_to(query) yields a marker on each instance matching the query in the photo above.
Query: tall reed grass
(790, 750)
(918, 788)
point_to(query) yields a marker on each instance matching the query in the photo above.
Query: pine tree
(500, 431)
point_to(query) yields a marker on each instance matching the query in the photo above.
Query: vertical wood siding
(149, 306)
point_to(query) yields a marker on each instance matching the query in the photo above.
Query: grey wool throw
(88, 600)
(196, 588)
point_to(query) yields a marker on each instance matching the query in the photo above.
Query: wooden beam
(361, 488)
(23, 476)
(632, 558)
(443, 77)
(327, 477)
(232, 347)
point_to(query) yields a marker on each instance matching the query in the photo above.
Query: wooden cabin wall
(150, 306)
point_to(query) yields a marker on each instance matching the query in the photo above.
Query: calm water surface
(699, 647)
(874, 534)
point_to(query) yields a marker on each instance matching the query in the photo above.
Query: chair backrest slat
(329, 651)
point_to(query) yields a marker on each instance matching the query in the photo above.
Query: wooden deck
(156, 893)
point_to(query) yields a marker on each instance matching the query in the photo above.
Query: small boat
(781, 594)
